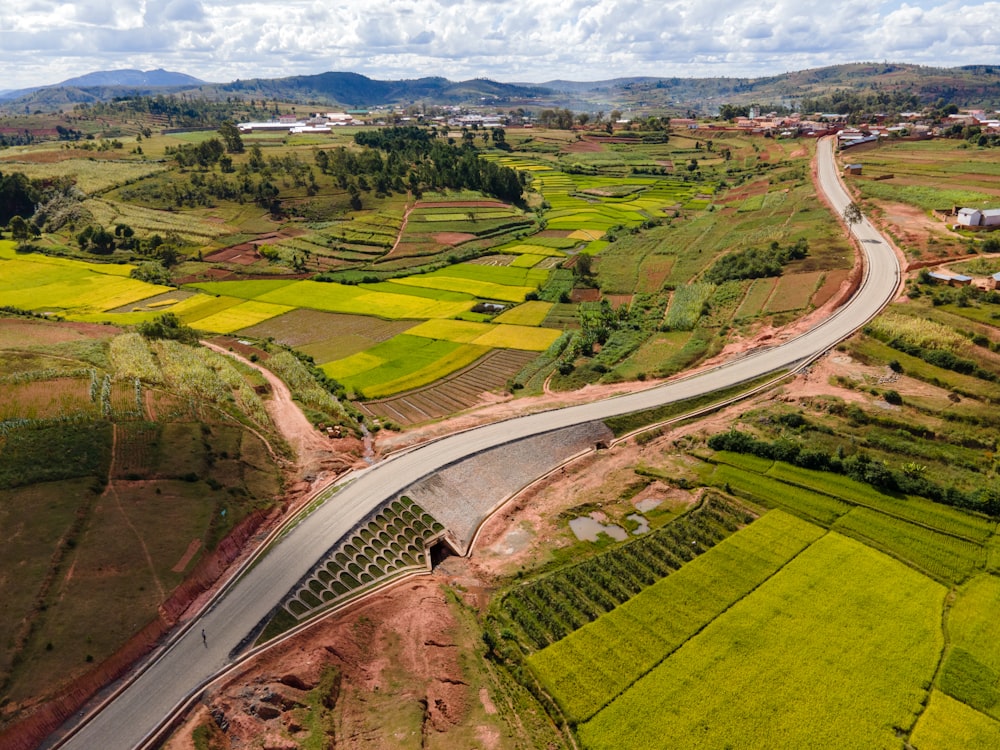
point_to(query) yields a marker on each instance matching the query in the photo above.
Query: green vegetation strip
(586, 670)
(774, 493)
(925, 512)
(944, 557)
(771, 671)
(627, 423)
(843, 505)
(971, 670)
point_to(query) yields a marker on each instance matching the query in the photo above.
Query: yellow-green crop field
(339, 298)
(506, 283)
(483, 289)
(459, 331)
(401, 363)
(835, 650)
(239, 316)
(931, 539)
(506, 336)
(948, 724)
(497, 336)
(970, 671)
(587, 669)
(37, 282)
(531, 313)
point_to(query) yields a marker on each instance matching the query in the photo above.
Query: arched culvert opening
(439, 551)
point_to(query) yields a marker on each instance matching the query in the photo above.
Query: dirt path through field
(284, 412)
(402, 229)
(317, 457)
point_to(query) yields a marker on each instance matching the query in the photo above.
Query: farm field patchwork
(585, 670)
(738, 682)
(794, 291)
(849, 507)
(944, 557)
(506, 283)
(917, 509)
(532, 313)
(454, 392)
(338, 298)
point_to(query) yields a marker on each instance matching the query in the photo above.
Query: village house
(951, 279)
(978, 217)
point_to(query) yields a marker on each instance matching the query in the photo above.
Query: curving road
(189, 662)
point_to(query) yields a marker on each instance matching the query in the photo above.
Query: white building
(975, 217)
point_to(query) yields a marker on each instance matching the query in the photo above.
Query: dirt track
(317, 456)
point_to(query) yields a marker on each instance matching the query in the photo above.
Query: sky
(47, 41)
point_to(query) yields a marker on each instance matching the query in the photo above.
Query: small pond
(587, 529)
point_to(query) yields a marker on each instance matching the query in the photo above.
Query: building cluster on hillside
(907, 124)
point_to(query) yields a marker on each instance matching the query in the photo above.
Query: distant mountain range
(108, 79)
(967, 86)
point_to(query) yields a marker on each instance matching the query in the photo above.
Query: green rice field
(585, 670)
(401, 363)
(771, 671)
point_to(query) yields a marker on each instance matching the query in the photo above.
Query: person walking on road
(204, 639)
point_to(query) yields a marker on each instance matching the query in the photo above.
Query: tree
(19, 229)
(853, 215)
(167, 326)
(18, 196)
(231, 135)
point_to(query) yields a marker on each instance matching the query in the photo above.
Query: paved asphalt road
(190, 662)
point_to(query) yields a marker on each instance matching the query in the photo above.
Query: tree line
(858, 466)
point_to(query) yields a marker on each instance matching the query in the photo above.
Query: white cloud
(526, 40)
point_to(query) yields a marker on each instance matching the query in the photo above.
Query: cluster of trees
(16, 139)
(254, 181)
(168, 326)
(213, 151)
(973, 134)
(178, 111)
(204, 155)
(18, 196)
(30, 206)
(859, 466)
(862, 103)
(100, 241)
(753, 263)
(396, 159)
(562, 119)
